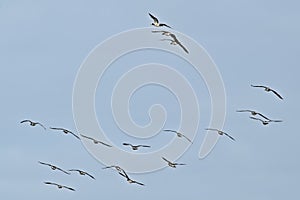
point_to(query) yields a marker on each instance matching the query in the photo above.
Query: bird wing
(105, 144)
(50, 183)
(179, 163)
(244, 111)
(126, 144)
(275, 120)
(229, 136)
(74, 170)
(141, 145)
(256, 119)
(69, 188)
(53, 128)
(165, 25)
(62, 170)
(133, 181)
(74, 135)
(261, 86)
(263, 116)
(170, 131)
(183, 47)
(166, 40)
(211, 129)
(158, 31)
(154, 18)
(42, 163)
(90, 175)
(187, 138)
(41, 125)
(277, 94)
(87, 137)
(166, 160)
(26, 120)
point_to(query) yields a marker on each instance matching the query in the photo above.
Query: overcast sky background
(43, 43)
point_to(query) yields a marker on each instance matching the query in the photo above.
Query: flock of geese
(173, 41)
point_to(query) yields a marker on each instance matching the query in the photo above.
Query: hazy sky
(43, 44)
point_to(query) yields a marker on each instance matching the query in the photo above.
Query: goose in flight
(135, 147)
(254, 113)
(95, 141)
(65, 131)
(32, 123)
(220, 132)
(81, 172)
(156, 22)
(53, 167)
(129, 180)
(59, 186)
(265, 122)
(175, 41)
(268, 89)
(180, 135)
(172, 164)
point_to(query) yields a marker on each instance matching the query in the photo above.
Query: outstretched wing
(154, 18)
(50, 183)
(41, 125)
(244, 111)
(104, 144)
(229, 136)
(42, 163)
(166, 160)
(277, 94)
(275, 120)
(127, 144)
(141, 145)
(74, 135)
(260, 86)
(62, 170)
(170, 130)
(69, 188)
(87, 137)
(165, 25)
(186, 138)
(211, 129)
(183, 47)
(139, 183)
(26, 120)
(60, 129)
(90, 175)
(256, 119)
(263, 116)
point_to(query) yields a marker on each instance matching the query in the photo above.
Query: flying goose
(65, 131)
(265, 122)
(53, 167)
(180, 135)
(172, 164)
(220, 132)
(81, 172)
(156, 22)
(32, 123)
(254, 113)
(59, 186)
(135, 147)
(95, 141)
(129, 180)
(267, 89)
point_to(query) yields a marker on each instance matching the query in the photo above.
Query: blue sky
(43, 44)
